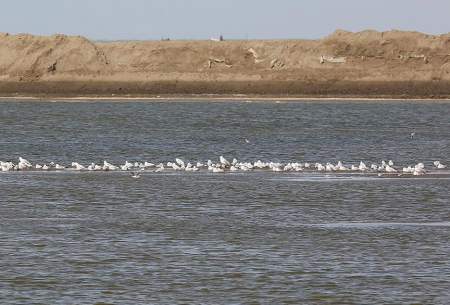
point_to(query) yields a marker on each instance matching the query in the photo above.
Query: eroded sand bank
(374, 64)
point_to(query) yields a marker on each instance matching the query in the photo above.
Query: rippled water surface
(234, 238)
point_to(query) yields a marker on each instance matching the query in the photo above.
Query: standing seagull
(413, 134)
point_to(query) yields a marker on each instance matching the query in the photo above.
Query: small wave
(325, 178)
(369, 225)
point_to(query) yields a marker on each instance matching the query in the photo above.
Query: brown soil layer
(228, 88)
(365, 64)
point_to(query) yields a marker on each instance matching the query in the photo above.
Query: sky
(234, 19)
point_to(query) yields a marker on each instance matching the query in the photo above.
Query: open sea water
(232, 238)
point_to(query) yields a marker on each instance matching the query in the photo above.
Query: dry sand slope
(368, 63)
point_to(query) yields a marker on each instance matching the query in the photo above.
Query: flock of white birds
(223, 165)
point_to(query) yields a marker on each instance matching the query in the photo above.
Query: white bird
(135, 175)
(419, 169)
(159, 168)
(22, 160)
(259, 164)
(439, 165)
(109, 167)
(330, 167)
(419, 166)
(418, 172)
(408, 170)
(288, 167)
(78, 166)
(95, 167)
(224, 161)
(23, 164)
(127, 166)
(147, 164)
(59, 167)
(362, 166)
(341, 167)
(7, 166)
(320, 167)
(180, 163)
(190, 168)
(390, 169)
(246, 141)
(177, 167)
(298, 168)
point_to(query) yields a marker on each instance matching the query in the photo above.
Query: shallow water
(235, 238)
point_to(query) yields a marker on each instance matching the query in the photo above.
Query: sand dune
(368, 63)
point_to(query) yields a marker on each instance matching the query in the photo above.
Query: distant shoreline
(225, 90)
(214, 98)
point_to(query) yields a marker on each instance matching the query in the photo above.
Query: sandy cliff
(367, 63)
